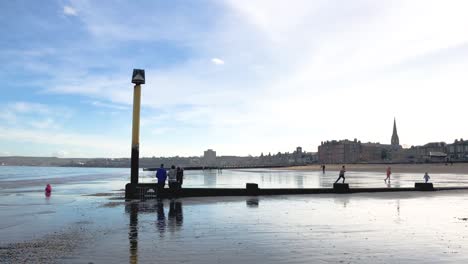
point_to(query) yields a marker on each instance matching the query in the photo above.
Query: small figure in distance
(180, 177)
(172, 178)
(48, 190)
(389, 172)
(341, 175)
(323, 168)
(161, 175)
(426, 177)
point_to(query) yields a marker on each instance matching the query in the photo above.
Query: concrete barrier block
(421, 186)
(341, 187)
(252, 188)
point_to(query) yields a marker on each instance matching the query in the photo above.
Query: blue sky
(241, 77)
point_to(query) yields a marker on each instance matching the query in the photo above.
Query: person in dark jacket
(161, 175)
(180, 177)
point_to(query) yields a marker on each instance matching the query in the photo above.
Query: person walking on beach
(389, 172)
(426, 177)
(48, 190)
(180, 177)
(161, 175)
(341, 175)
(323, 168)
(172, 178)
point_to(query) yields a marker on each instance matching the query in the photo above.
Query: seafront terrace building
(430, 152)
(347, 151)
(458, 150)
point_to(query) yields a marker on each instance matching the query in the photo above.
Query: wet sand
(48, 249)
(456, 168)
(88, 222)
(360, 228)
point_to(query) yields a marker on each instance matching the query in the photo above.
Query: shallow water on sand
(365, 228)
(406, 227)
(89, 180)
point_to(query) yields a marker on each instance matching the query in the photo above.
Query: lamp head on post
(138, 76)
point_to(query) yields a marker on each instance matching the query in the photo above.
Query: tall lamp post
(138, 78)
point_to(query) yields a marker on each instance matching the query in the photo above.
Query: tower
(395, 140)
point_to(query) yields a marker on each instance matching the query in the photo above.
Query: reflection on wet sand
(173, 223)
(210, 178)
(160, 218)
(252, 202)
(133, 233)
(176, 217)
(342, 199)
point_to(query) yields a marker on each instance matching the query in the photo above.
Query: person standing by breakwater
(172, 178)
(341, 175)
(426, 177)
(180, 177)
(161, 175)
(389, 172)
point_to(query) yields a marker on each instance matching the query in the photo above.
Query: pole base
(131, 191)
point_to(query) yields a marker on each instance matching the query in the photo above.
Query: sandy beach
(456, 168)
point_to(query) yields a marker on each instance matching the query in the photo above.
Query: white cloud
(13, 110)
(5, 153)
(161, 131)
(109, 105)
(101, 145)
(217, 61)
(27, 107)
(70, 11)
(61, 154)
(8, 116)
(47, 123)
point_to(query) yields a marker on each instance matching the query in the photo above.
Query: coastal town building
(209, 157)
(458, 150)
(430, 152)
(346, 151)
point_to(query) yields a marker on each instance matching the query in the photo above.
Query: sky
(240, 77)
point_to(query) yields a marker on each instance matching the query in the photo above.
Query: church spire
(395, 140)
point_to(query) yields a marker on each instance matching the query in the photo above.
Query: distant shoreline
(440, 168)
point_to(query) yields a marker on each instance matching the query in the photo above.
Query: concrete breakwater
(149, 190)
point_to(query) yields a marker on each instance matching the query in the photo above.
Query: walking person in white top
(426, 177)
(172, 178)
(341, 175)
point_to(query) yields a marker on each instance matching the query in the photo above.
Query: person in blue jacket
(161, 175)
